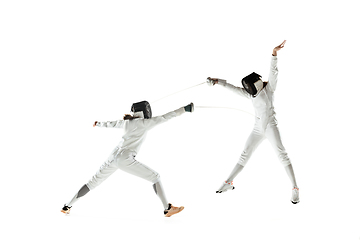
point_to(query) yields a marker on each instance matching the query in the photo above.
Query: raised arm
(273, 75)
(110, 124)
(238, 90)
(277, 48)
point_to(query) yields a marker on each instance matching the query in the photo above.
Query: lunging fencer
(136, 126)
(262, 97)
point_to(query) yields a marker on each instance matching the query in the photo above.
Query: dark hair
(129, 117)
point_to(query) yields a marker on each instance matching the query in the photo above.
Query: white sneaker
(225, 186)
(295, 195)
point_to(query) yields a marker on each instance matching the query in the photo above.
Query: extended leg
(256, 137)
(134, 167)
(253, 141)
(104, 172)
(273, 135)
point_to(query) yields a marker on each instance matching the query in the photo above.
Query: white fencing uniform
(265, 121)
(123, 156)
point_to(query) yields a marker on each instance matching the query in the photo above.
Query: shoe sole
(66, 212)
(170, 214)
(225, 190)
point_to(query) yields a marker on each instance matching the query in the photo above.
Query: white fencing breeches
(257, 136)
(124, 160)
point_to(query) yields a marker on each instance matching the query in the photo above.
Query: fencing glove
(189, 108)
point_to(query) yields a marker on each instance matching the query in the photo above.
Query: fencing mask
(252, 83)
(142, 108)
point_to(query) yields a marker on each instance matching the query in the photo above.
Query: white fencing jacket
(263, 101)
(135, 130)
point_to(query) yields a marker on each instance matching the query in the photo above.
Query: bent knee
(155, 177)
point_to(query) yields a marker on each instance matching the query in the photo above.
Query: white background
(65, 64)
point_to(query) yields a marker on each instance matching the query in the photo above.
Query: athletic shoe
(225, 186)
(65, 209)
(295, 195)
(172, 210)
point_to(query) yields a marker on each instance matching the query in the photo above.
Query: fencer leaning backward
(262, 97)
(122, 157)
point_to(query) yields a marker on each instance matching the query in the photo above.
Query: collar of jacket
(139, 114)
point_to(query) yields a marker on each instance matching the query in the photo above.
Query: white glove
(210, 81)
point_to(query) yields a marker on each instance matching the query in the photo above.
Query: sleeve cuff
(221, 82)
(180, 111)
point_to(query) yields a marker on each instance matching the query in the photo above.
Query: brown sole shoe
(173, 210)
(66, 210)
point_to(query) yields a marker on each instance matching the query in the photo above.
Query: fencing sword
(204, 107)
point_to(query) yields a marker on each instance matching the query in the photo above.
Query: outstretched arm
(238, 90)
(109, 124)
(152, 122)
